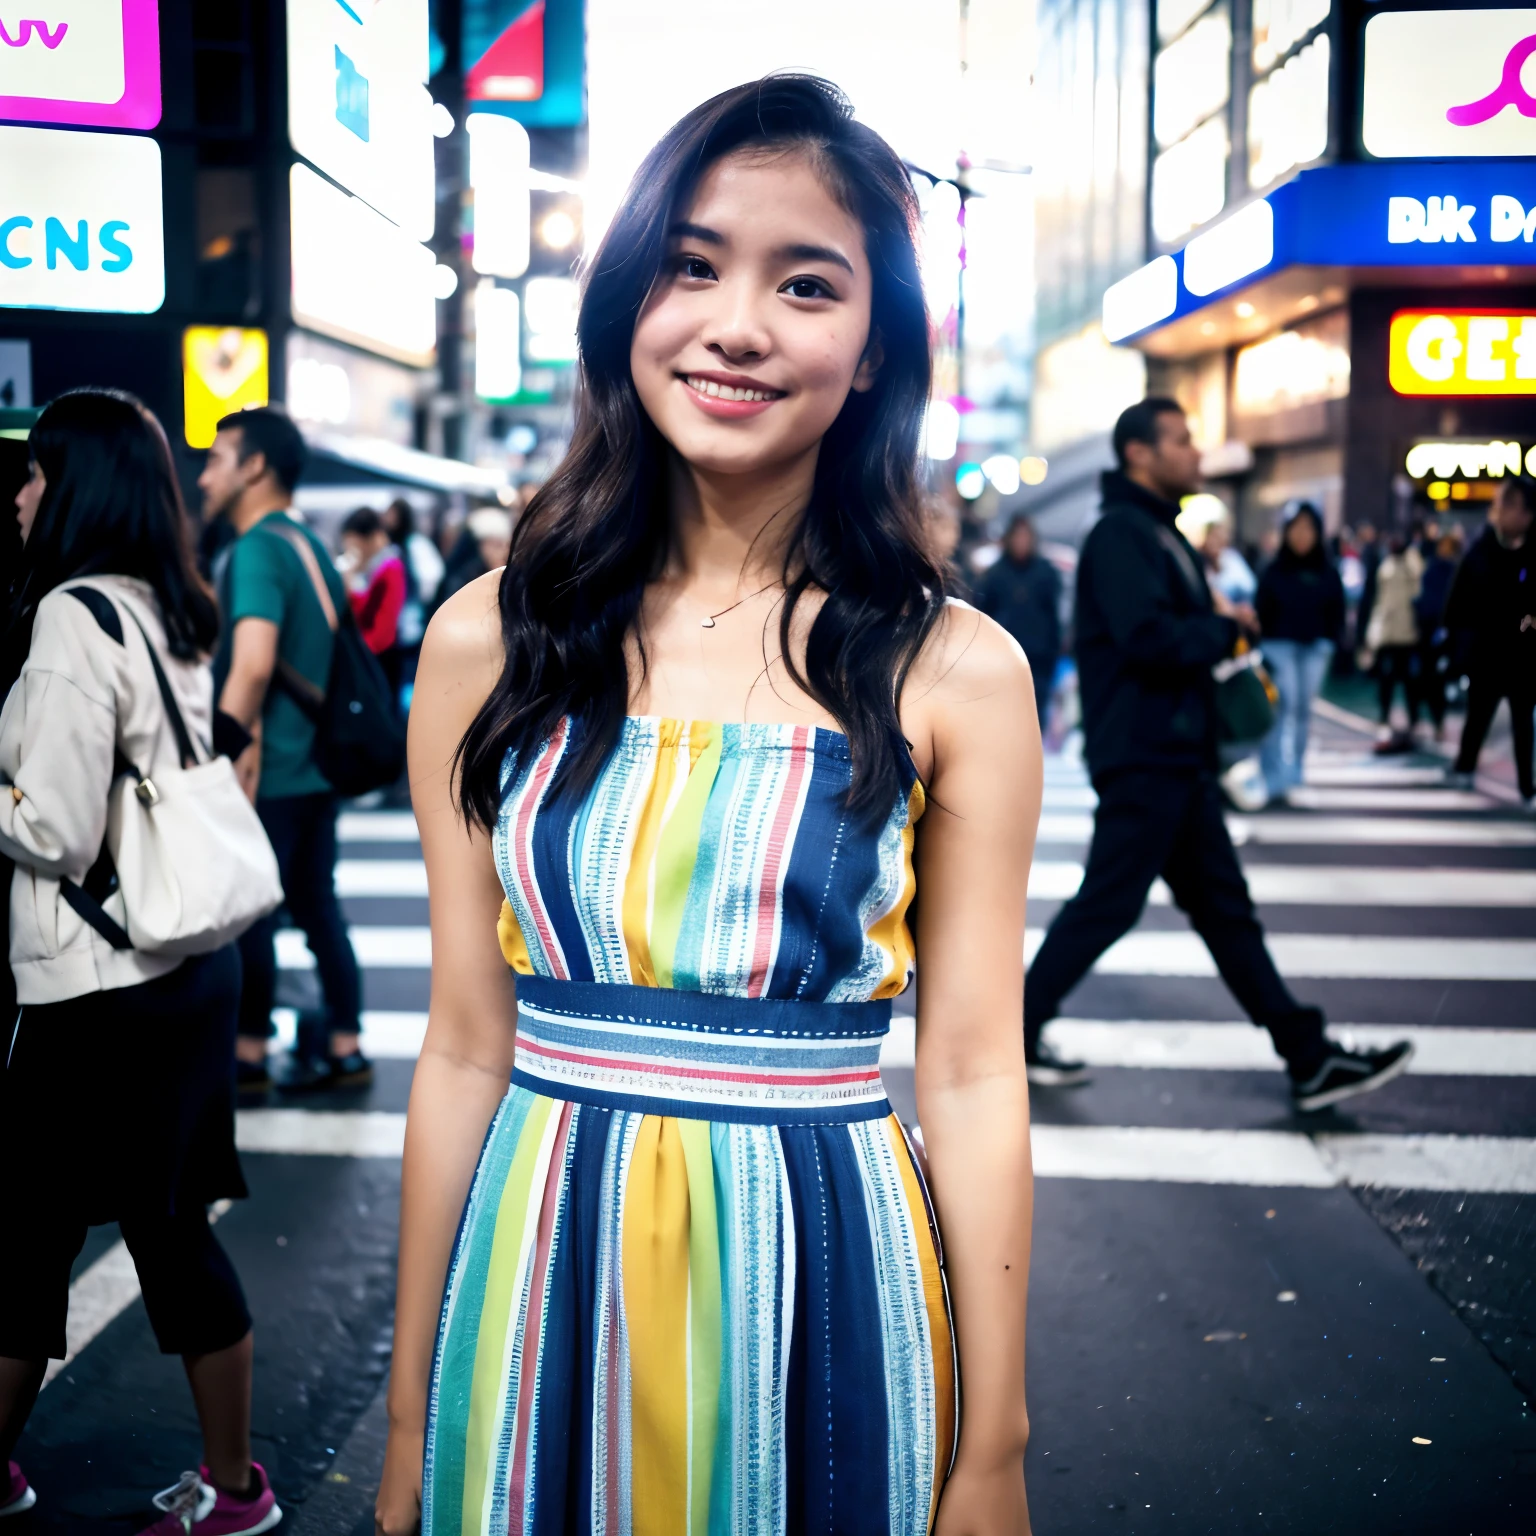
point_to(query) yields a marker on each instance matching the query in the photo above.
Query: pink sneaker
(194, 1507)
(16, 1494)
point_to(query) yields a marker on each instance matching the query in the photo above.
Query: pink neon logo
(1509, 92)
(25, 31)
(137, 107)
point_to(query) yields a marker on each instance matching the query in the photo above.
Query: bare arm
(974, 845)
(252, 661)
(466, 1060)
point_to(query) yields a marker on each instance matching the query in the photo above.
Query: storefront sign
(1230, 250)
(81, 225)
(358, 105)
(333, 387)
(1471, 353)
(1469, 461)
(1388, 214)
(224, 369)
(1450, 83)
(94, 63)
(358, 277)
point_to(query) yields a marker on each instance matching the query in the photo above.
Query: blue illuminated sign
(1420, 213)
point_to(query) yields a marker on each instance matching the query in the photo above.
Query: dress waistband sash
(700, 1056)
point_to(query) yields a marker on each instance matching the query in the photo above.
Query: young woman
(1301, 609)
(117, 1078)
(691, 756)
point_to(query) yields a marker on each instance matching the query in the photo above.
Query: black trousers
(1401, 664)
(1170, 824)
(302, 829)
(1484, 690)
(191, 1290)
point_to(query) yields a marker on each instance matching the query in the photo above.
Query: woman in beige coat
(117, 1073)
(1393, 636)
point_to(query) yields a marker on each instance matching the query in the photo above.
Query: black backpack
(359, 735)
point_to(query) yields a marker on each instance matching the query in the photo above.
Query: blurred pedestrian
(281, 597)
(1491, 616)
(483, 545)
(947, 531)
(423, 575)
(117, 1089)
(1429, 611)
(1369, 551)
(1022, 591)
(1149, 631)
(1392, 639)
(1301, 615)
(376, 584)
(1226, 570)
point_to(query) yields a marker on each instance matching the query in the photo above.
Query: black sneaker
(1344, 1073)
(1046, 1069)
(353, 1070)
(317, 1074)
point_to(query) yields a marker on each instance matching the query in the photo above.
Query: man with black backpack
(284, 609)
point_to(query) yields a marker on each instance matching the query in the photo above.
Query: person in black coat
(1149, 630)
(1491, 615)
(1301, 611)
(1022, 591)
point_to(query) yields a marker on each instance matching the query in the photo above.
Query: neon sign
(92, 63)
(1488, 352)
(1439, 84)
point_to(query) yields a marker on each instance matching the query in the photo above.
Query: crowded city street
(768, 769)
(1241, 1319)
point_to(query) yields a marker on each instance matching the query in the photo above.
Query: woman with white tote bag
(136, 866)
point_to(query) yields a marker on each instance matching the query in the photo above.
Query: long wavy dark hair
(598, 530)
(112, 507)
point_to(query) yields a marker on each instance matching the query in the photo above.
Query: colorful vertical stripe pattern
(709, 858)
(697, 1288)
(657, 1326)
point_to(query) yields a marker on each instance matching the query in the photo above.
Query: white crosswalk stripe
(1350, 801)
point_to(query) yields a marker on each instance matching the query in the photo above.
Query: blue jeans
(1298, 669)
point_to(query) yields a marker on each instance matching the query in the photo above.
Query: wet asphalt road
(1334, 1350)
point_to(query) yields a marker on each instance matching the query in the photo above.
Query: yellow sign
(224, 369)
(1477, 352)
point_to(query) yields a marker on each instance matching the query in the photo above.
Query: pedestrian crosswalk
(1452, 852)
(1402, 908)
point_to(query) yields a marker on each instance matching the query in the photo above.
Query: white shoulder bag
(189, 852)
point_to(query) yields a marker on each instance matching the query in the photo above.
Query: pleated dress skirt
(697, 1286)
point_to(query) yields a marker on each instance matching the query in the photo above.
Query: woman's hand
(987, 1501)
(397, 1510)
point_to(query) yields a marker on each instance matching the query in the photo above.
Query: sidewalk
(1351, 702)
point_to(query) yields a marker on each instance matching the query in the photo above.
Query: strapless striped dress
(697, 1286)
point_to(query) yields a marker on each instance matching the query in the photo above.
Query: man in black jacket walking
(1491, 614)
(1149, 630)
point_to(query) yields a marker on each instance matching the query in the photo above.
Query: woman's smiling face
(759, 323)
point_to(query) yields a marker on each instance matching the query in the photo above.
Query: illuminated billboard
(358, 106)
(527, 58)
(1449, 83)
(1475, 352)
(81, 221)
(358, 277)
(224, 369)
(93, 63)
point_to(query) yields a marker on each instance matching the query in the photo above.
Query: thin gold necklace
(709, 623)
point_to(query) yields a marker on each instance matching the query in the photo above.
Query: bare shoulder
(461, 659)
(970, 668)
(468, 625)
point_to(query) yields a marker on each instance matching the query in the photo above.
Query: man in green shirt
(280, 610)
